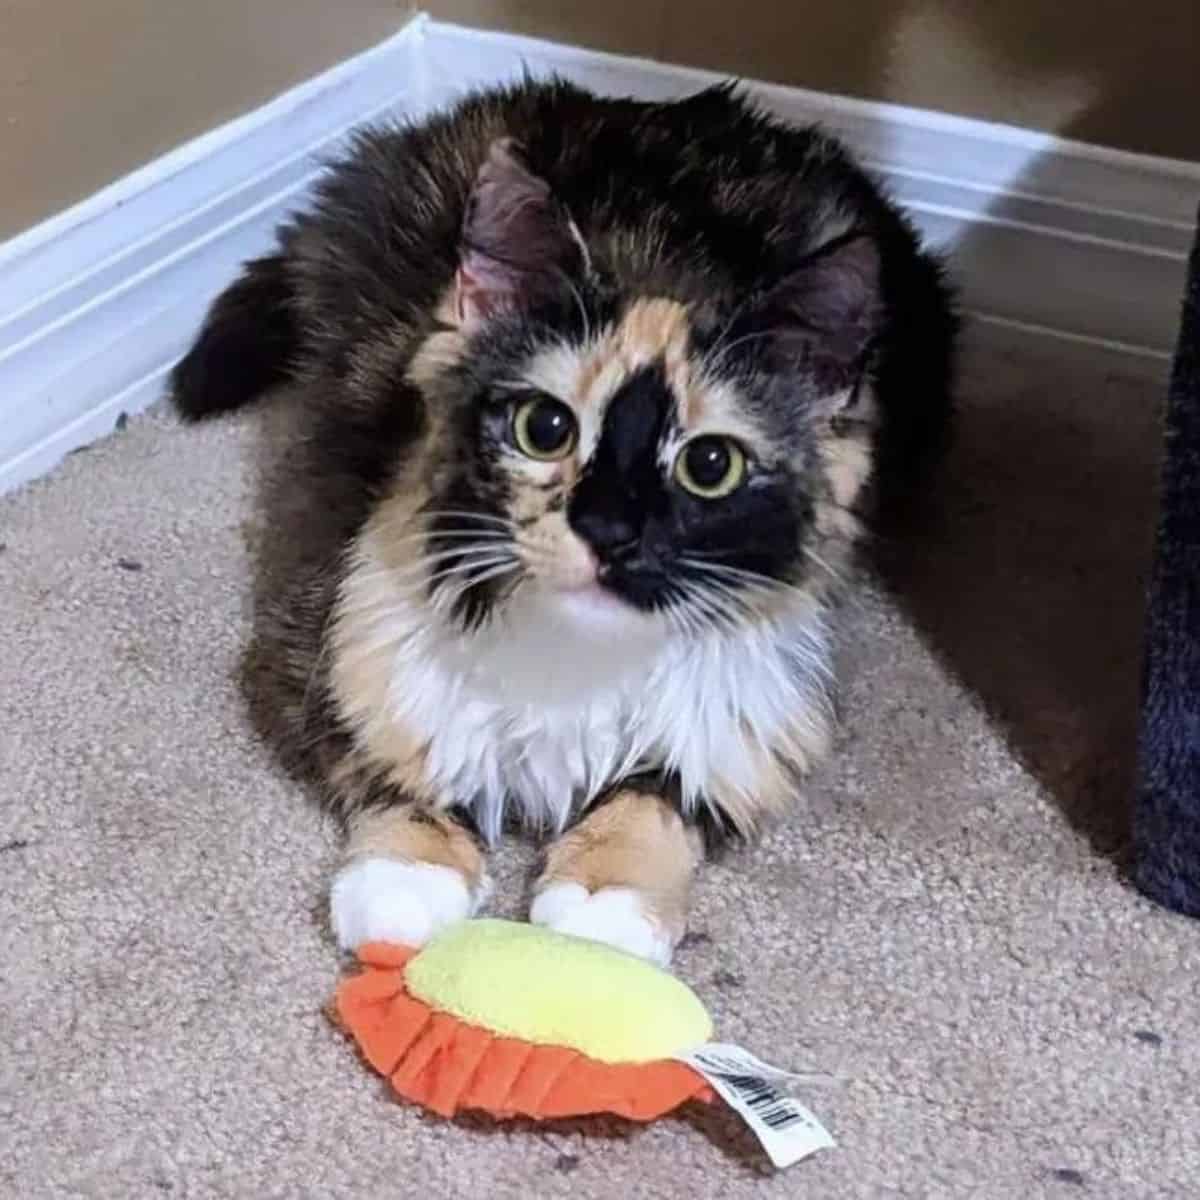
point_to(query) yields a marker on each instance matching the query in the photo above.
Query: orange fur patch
(633, 840)
(413, 833)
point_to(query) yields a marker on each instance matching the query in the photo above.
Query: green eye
(710, 467)
(545, 429)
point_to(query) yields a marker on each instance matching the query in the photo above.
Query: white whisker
(712, 363)
(437, 514)
(447, 598)
(420, 564)
(457, 554)
(438, 535)
(813, 556)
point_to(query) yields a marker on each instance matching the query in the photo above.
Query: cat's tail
(247, 345)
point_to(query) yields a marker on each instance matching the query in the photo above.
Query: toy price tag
(757, 1092)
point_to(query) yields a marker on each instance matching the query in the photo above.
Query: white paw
(384, 900)
(613, 915)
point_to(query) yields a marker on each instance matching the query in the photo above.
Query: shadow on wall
(1103, 71)
(1026, 567)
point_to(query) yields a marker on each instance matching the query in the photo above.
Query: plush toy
(518, 1020)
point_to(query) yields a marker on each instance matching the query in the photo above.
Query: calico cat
(597, 391)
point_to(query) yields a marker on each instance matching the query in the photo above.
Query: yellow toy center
(524, 981)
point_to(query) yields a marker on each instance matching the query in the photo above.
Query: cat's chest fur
(525, 720)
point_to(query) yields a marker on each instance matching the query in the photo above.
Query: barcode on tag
(754, 1090)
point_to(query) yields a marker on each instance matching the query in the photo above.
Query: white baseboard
(97, 303)
(1050, 238)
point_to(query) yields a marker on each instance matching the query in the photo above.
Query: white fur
(553, 903)
(613, 915)
(553, 701)
(383, 899)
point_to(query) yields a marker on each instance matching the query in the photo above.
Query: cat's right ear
(518, 240)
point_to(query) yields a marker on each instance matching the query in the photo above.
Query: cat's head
(625, 457)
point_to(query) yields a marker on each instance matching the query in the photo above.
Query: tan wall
(91, 89)
(1124, 73)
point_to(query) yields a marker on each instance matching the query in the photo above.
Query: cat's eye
(710, 467)
(544, 428)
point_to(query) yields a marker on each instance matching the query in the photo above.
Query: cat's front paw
(385, 900)
(616, 916)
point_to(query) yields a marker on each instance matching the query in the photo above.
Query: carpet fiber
(945, 922)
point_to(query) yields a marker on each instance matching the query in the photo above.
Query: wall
(1109, 71)
(91, 89)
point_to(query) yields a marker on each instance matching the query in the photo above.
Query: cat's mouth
(636, 586)
(602, 596)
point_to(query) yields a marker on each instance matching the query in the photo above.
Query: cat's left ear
(825, 315)
(518, 240)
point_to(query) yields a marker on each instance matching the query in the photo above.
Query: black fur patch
(246, 346)
(618, 505)
(645, 528)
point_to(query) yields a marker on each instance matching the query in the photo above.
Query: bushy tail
(246, 346)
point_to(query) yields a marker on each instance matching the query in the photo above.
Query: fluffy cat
(595, 394)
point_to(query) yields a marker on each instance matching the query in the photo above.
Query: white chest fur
(530, 715)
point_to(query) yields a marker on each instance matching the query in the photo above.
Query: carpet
(945, 922)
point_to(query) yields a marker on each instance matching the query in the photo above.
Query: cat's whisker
(738, 310)
(714, 362)
(814, 557)
(465, 572)
(463, 556)
(466, 515)
(447, 599)
(727, 575)
(417, 577)
(735, 604)
(418, 566)
(716, 615)
(680, 618)
(438, 535)
(765, 582)
(729, 605)
(712, 604)
(583, 313)
(729, 571)
(472, 514)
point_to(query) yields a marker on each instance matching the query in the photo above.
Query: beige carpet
(944, 923)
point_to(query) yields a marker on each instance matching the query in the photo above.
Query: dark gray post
(1167, 815)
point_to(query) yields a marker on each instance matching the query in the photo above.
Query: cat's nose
(610, 533)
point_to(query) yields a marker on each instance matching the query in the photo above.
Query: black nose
(609, 529)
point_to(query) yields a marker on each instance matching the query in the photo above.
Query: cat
(599, 397)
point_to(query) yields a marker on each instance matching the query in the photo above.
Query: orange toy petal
(447, 1065)
(491, 1088)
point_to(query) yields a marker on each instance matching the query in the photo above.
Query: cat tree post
(1167, 816)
